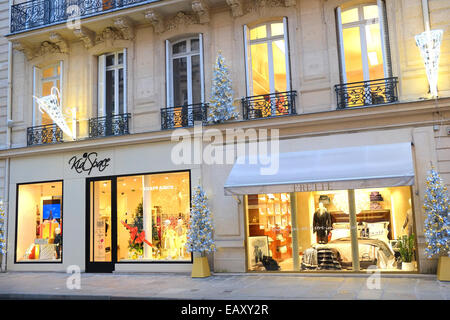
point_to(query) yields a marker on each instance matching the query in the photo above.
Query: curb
(36, 296)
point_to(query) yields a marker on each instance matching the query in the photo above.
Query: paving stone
(244, 286)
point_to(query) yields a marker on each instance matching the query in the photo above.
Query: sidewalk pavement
(46, 285)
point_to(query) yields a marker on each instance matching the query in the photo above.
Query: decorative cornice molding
(201, 9)
(25, 49)
(269, 3)
(181, 19)
(290, 3)
(47, 47)
(86, 35)
(237, 7)
(156, 20)
(126, 26)
(58, 40)
(109, 34)
(272, 4)
(57, 45)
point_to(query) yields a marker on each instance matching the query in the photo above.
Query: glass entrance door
(101, 225)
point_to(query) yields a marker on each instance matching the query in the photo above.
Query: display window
(152, 217)
(269, 244)
(320, 227)
(39, 222)
(138, 218)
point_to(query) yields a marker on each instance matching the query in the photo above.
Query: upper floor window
(267, 59)
(185, 71)
(363, 43)
(112, 84)
(44, 79)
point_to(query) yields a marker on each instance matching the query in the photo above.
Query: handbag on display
(270, 264)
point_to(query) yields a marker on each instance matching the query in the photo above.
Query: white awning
(372, 166)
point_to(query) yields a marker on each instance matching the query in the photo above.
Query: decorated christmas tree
(200, 234)
(221, 105)
(437, 222)
(2, 230)
(135, 245)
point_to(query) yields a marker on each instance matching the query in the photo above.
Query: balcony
(366, 93)
(115, 125)
(45, 134)
(39, 13)
(269, 105)
(183, 116)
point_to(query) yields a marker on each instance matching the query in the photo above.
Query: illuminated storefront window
(39, 222)
(319, 229)
(152, 217)
(138, 218)
(269, 232)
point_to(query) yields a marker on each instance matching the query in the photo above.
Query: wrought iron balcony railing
(39, 13)
(366, 93)
(44, 134)
(183, 116)
(115, 125)
(269, 105)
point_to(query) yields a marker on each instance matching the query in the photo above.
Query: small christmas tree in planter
(200, 234)
(221, 106)
(437, 223)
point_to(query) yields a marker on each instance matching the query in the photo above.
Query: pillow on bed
(341, 225)
(378, 230)
(339, 233)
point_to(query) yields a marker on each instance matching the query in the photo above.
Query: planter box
(443, 270)
(200, 268)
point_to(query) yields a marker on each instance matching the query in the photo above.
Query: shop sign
(88, 162)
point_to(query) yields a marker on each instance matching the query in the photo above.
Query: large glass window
(112, 84)
(267, 58)
(269, 244)
(185, 72)
(39, 222)
(321, 229)
(44, 80)
(153, 217)
(363, 43)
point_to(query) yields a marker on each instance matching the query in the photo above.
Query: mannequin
(322, 223)
(57, 241)
(168, 240)
(408, 219)
(180, 238)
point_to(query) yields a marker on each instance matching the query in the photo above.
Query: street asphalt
(40, 285)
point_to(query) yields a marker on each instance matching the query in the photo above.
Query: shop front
(99, 211)
(330, 210)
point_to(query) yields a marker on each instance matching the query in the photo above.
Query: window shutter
(125, 76)
(37, 92)
(248, 63)
(385, 38)
(101, 86)
(340, 46)
(287, 55)
(202, 71)
(61, 86)
(168, 76)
